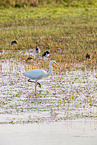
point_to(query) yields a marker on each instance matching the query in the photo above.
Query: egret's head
(54, 62)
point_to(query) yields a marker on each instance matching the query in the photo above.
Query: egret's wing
(35, 74)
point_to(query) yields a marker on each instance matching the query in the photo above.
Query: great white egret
(14, 42)
(46, 53)
(38, 74)
(37, 50)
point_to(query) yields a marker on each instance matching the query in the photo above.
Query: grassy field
(35, 3)
(68, 32)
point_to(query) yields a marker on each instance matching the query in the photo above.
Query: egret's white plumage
(35, 74)
(38, 74)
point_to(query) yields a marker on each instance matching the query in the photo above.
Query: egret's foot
(39, 84)
(34, 82)
(30, 80)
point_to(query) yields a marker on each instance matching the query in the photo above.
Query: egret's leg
(31, 81)
(37, 83)
(35, 87)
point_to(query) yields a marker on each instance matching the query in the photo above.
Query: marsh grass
(69, 33)
(35, 3)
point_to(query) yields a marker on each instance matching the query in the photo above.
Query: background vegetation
(68, 32)
(23, 3)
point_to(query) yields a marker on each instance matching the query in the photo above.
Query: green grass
(35, 3)
(72, 29)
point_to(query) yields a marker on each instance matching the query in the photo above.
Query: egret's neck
(47, 74)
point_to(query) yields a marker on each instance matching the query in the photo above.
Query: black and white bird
(14, 42)
(1, 51)
(37, 50)
(88, 56)
(46, 53)
(29, 59)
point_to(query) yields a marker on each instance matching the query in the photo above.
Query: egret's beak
(57, 64)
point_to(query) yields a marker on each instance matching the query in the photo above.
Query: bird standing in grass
(46, 53)
(29, 59)
(38, 74)
(88, 56)
(14, 42)
(37, 50)
(1, 51)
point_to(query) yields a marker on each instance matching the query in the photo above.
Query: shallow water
(68, 132)
(69, 95)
